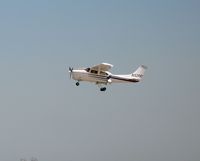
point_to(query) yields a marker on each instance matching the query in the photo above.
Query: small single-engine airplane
(100, 75)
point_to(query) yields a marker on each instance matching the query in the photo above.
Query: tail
(139, 73)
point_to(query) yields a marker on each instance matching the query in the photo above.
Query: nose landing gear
(77, 83)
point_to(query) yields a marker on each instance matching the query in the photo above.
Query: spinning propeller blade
(70, 71)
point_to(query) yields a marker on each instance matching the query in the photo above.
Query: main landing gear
(103, 89)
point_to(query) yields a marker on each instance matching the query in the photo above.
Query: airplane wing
(102, 67)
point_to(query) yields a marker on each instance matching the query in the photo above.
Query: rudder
(139, 73)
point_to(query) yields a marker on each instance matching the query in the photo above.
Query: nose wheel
(77, 83)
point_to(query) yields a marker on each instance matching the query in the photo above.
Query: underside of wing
(102, 67)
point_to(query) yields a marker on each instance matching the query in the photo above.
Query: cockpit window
(87, 69)
(95, 71)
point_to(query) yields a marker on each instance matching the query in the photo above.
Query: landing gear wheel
(77, 83)
(103, 89)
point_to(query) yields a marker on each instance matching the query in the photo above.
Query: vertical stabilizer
(139, 73)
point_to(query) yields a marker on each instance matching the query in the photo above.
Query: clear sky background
(44, 115)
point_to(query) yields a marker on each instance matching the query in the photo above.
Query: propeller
(70, 71)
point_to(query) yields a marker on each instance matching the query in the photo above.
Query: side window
(103, 73)
(94, 71)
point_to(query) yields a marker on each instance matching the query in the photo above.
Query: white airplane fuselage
(104, 78)
(100, 74)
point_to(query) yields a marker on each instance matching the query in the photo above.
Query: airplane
(100, 75)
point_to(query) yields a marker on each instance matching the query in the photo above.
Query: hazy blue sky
(44, 115)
